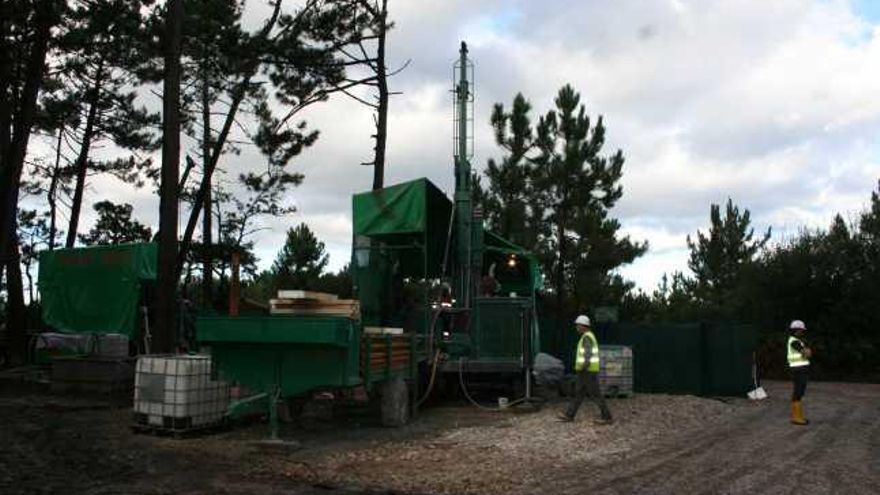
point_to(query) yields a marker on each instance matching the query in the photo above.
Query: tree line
(81, 82)
(553, 191)
(829, 277)
(80, 86)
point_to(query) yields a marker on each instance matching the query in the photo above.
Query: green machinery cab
(404, 253)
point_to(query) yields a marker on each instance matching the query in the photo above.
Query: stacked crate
(178, 394)
(616, 370)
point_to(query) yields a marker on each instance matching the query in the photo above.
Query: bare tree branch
(400, 69)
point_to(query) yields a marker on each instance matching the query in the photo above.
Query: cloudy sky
(771, 103)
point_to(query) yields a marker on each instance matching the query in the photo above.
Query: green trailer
(283, 357)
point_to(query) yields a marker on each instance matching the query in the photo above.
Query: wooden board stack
(303, 302)
(380, 360)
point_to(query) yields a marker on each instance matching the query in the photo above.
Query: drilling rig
(428, 265)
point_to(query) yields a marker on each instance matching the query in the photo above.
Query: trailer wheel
(394, 402)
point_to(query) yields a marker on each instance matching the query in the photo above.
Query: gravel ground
(757, 451)
(507, 452)
(658, 444)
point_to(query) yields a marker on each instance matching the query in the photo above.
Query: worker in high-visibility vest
(587, 367)
(798, 354)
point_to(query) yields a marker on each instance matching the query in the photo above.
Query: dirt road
(757, 451)
(658, 444)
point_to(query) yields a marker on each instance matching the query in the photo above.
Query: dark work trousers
(587, 385)
(799, 376)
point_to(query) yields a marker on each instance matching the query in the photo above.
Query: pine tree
(552, 192)
(297, 52)
(58, 119)
(509, 205)
(100, 52)
(26, 35)
(167, 273)
(115, 226)
(576, 186)
(869, 222)
(718, 259)
(213, 38)
(301, 262)
(33, 236)
(600, 251)
(373, 59)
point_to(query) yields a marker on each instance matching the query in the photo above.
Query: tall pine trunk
(12, 163)
(382, 119)
(167, 276)
(82, 159)
(561, 292)
(52, 194)
(15, 301)
(5, 81)
(207, 264)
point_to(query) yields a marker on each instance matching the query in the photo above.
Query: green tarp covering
(410, 207)
(95, 289)
(414, 214)
(399, 232)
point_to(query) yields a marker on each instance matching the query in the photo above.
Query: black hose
(475, 403)
(431, 381)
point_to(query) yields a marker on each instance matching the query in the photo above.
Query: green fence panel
(708, 359)
(729, 354)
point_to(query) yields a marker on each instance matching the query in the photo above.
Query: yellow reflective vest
(581, 359)
(796, 358)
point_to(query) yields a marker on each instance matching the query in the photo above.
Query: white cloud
(772, 104)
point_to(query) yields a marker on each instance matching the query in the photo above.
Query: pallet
(177, 427)
(113, 377)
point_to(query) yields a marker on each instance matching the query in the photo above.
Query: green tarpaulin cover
(407, 214)
(409, 207)
(417, 212)
(95, 289)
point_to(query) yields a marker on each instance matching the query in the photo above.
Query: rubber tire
(394, 403)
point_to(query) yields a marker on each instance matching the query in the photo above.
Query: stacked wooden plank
(302, 302)
(375, 353)
(383, 330)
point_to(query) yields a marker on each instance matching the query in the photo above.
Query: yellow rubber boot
(803, 418)
(797, 414)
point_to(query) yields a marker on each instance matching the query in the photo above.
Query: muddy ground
(658, 444)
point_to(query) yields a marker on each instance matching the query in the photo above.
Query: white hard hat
(797, 325)
(582, 320)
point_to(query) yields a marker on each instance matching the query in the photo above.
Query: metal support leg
(273, 413)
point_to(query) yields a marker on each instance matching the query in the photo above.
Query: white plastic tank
(178, 393)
